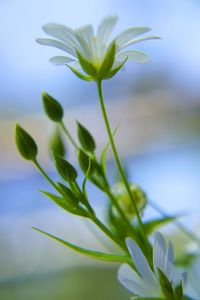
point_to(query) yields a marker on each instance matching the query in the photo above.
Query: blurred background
(157, 107)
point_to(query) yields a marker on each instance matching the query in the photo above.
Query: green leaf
(58, 200)
(107, 62)
(80, 75)
(52, 108)
(66, 205)
(85, 138)
(90, 253)
(116, 69)
(56, 144)
(150, 226)
(166, 285)
(65, 169)
(25, 144)
(86, 65)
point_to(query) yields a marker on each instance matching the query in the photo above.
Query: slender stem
(179, 225)
(107, 232)
(92, 215)
(45, 175)
(69, 135)
(117, 160)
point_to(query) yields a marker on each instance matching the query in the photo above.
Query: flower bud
(25, 144)
(56, 144)
(85, 163)
(123, 199)
(65, 169)
(52, 108)
(85, 138)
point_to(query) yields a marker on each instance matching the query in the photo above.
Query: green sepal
(65, 169)
(90, 253)
(66, 205)
(85, 138)
(67, 193)
(80, 75)
(178, 291)
(166, 285)
(107, 62)
(116, 69)
(86, 65)
(56, 144)
(151, 226)
(52, 108)
(26, 145)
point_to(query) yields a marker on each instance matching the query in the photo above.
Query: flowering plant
(147, 271)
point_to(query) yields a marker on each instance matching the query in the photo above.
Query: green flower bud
(56, 144)
(68, 194)
(85, 138)
(65, 169)
(85, 162)
(123, 199)
(25, 144)
(52, 108)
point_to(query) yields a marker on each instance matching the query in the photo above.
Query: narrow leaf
(90, 253)
(151, 226)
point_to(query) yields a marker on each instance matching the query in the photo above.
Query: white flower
(145, 282)
(94, 48)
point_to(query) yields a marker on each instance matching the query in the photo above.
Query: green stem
(182, 228)
(68, 135)
(107, 232)
(92, 215)
(117, 160)
(45, 175)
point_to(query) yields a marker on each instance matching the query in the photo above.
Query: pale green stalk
(69, 135)
(117, 160)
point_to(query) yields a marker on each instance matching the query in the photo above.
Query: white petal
(132, 281)
(105, 29)
(134, 55)
(129, 34)
(169, 261)
(77, 66)
(63, 34)
(140, 262)
(56, 44)
(60, 60)
(159, 252)
(85, 37)
(184, 278)
(103, 34)
(134, 41)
